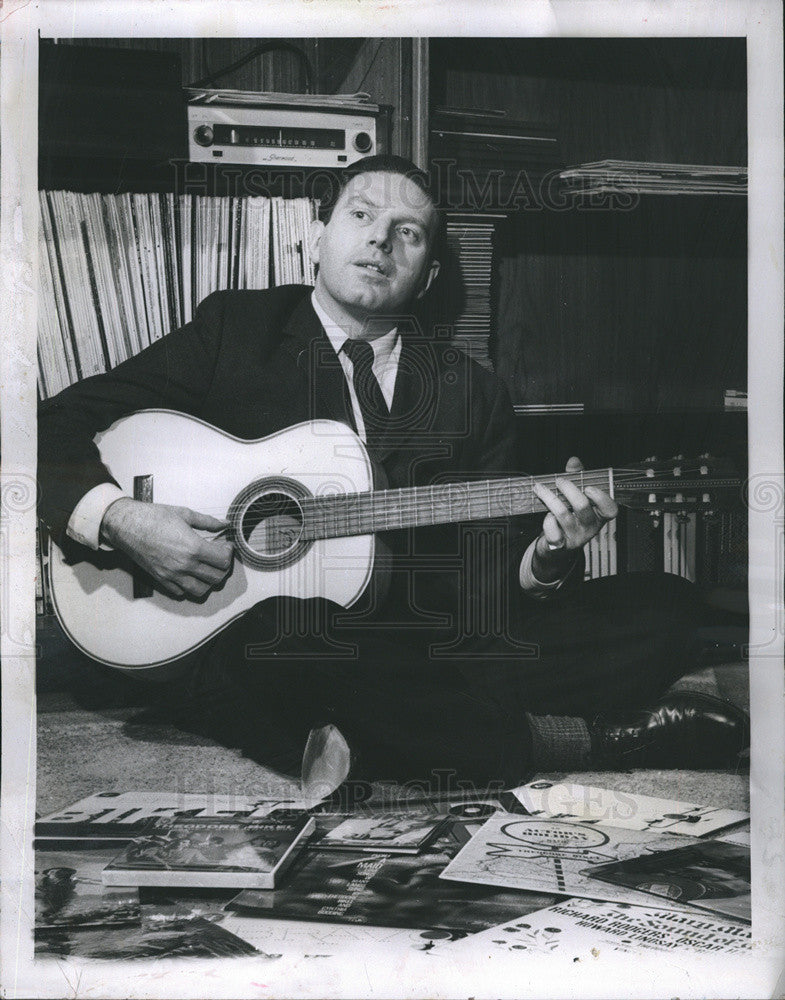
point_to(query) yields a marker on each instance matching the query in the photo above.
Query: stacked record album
(120, 271)
(615, 176)
(470, 245)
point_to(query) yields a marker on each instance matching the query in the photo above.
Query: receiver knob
(362, 142)
(204, 135)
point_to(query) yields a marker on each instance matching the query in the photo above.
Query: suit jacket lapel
(415, 397)
(307, 350)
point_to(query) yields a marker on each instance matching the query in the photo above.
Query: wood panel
(620, 310)
(670, 100)
(382, 68)
(201, 56)
(638, 310)
(378, 66)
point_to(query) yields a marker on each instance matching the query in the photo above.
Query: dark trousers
(412, 702)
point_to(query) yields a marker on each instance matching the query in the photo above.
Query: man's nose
(380, 235)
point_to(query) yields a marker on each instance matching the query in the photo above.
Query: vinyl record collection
(541, 867)
(119, 271)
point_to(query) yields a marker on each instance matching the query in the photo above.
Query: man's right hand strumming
(163, 541)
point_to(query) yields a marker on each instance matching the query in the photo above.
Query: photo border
(374, 972)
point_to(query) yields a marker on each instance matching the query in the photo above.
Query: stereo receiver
(280, 130)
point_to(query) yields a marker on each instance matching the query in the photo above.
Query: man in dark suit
(483, 654)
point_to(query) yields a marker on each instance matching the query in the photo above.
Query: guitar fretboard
(446, 503)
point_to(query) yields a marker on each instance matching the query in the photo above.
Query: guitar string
(493, 490)
(624, 478)
(350, 513)
(451, 498)
(474, 489)
(500, 492)
(363, 520)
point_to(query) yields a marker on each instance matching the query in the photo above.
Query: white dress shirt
(85, 522)
(386, 355)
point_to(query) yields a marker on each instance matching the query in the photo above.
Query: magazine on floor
(69, 891)
(159, 935)
(625, 810)
(211, 852)
(576, 926)
(711, 875)
(388, 890)
(556, 856)
(121, 816)
(390, 833)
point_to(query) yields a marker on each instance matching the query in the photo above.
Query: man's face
(374, 254)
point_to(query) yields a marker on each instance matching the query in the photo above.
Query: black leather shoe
(686, 729)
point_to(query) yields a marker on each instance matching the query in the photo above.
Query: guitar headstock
(705, 485)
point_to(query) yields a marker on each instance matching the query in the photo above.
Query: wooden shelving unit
(620, 300)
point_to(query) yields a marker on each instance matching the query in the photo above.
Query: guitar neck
(445, 503)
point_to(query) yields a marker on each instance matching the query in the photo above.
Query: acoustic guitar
(302, 513)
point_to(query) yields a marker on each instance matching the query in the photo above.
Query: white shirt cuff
(84, 524)
(529, 582)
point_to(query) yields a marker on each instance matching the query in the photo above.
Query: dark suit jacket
(255, 362)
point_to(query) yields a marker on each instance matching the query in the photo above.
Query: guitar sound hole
(272, 524)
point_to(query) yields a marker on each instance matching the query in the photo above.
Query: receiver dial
(203, 135)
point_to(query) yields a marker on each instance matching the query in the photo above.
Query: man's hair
(387, 163)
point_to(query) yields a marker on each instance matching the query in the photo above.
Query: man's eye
(408, 233)
(358, 213)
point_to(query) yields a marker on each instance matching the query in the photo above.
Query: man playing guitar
(483, 653)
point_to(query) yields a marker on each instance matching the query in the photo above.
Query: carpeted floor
(83, 751)
(95, 735)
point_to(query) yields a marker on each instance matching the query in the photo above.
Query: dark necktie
(369, 393)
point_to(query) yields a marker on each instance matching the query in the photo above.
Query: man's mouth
(371, 266)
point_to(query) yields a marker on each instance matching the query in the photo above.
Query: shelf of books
(119, 271)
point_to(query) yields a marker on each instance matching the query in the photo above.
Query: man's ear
(315, 238)
(433, 270)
